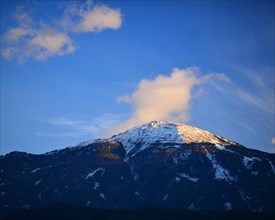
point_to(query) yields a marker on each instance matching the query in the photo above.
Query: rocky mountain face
(160, 164)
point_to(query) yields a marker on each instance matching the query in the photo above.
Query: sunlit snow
(164, 133)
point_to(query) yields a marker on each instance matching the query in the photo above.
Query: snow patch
(134, 174)
(138, 194)
(228, 206)
(96, 185)
(245, 198)
(193, 179)
(260, 209)
(177, 179)
(165, 197)
(37, 182)
(35, 170)
(102, 195)
(181, 155)
(272, 166)
(220, 172)
(220, 147)
(88, 203)
(99, 169)
(248, 161)
(192, 207)
(3, 193)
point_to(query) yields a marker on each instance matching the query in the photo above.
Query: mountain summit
(166, 133)
(159, 164)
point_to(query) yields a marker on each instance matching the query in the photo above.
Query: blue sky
(76, 71)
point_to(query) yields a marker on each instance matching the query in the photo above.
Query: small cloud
(98, 19)
(49, 42)
(39, 40)
(273, 140)
(164, 98)
(123, 99)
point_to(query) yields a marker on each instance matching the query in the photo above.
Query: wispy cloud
(72, 134)
(259, 100)
(260, 92)
(39, 40)
(123, 99)
(165, 97)
(71, 127)
(216, 76)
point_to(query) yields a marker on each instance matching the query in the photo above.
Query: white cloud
(98, 19)
(39, 40)
(16, 34)
(8, 52)
(164, 98)
(49, 42)
(39, 45)
(273, 140)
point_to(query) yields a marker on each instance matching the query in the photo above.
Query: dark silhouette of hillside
(73, 212)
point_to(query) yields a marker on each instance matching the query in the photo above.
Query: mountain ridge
(180, 137)
(160, 164)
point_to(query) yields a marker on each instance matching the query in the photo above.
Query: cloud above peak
(165, 97)
(36, 39)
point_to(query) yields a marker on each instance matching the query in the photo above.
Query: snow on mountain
(193, 179)
(164, 132)
(220, 172)
(102, 170)
(160, 163)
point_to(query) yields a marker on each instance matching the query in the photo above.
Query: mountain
(159, 164)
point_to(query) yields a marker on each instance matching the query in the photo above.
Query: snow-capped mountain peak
(164, 132)
(166, 164)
